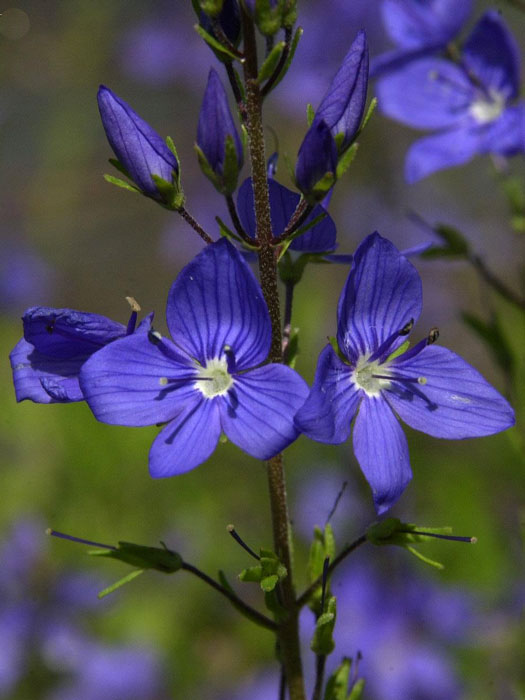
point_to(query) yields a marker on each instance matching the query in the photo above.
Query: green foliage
(455, 244)
(222, 52)
(337, 685)
(322, 642)
(121, 183)
(492, 333)
(270, 62)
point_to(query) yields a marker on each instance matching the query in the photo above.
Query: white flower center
(214, 379)
(488, 109)
(363, 376)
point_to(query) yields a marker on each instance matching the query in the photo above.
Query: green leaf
(118, 165)
(346, 159)
(455, 243)
(269, 582)
(120, 582)
(425, 560)
(292, 350)
(371, 109)
(492, 333)
(230, 168)
(322, 642)
(271, 62)
(337, 685)
(357, 690)
(222, 51)
(291, 54)
(211, 7)
(121, 183)
(310, 114)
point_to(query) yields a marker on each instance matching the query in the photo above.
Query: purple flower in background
(139, 149)
(219, 145)
(469, 103)
(56, 343)
(375, 379)
(419, 28)
(23, 275)
(207, 379)
(283, 202)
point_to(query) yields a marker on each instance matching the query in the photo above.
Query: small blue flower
(471, 103)
(283, 202)
(205, 381)
(316, 167)
(419, 29)
(139, 149)
(219, 146)
(430, 388)
(56, 343)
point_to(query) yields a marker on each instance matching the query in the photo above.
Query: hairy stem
(197, 227)
(288, 632)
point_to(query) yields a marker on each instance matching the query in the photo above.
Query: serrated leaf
(271, 62)
(346, 159)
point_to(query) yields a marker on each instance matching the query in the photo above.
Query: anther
(135, 306)
(154, 337)
(439, 536)
(163, 381)
(422, 380)
(239, 540)
(407, 328)
(433, 335)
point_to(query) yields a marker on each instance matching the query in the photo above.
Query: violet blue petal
(283, 203)
(138, 381)
(343, 105)
(442, 150)
(506, 135)
(492, 55)
(317, 156)
(455, 402)
(188, 440)
(397, 58)
(328, 411)
(414, 24)
(430, 93)
(216, 124)
(381, 295)
(381, 449)
(257, 413)
(137, 146)
(66, 333)
(216, 302)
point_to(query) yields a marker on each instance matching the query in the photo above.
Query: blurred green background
(88, 245)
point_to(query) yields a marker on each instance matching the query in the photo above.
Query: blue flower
(205, 381)
(139, 149)
(316, 167)
(56, 343)
(419, 29)
(219, 146)
(229, 19)
(471, 103)
(283, 202)
(430, 388)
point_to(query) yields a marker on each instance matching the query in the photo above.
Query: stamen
(135, 308)
(453, 538)
(431, 338)
(239, 540)
(381, 350)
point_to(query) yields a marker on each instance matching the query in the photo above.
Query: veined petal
(283, 203)
(444, 150)
(506, 135)
(492, 55)
(455, 402)
(257, 414)
(32, 370)
(328, 411)
(187, 441)
(216, 302)
(63, 333)
(381, 449)
(381, 295)
(414, 24)
(133, 382)
(429, 93)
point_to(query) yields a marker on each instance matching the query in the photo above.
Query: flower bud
(141, 152)
(219, 147)
(315, 170)
(228, 19)
(343, 105)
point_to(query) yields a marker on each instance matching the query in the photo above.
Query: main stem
(288, 632)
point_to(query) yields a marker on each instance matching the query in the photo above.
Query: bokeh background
(69, 239)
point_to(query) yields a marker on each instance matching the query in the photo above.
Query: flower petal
(506, 135)
(283, 203)
(257, 415)
(35, 375)
(382, 452)
(414, 24)
(429, 93)
(381, 295)
(440, 151)
(187, 441)
(216, 302)
(138, 381)
(492, 55)
(456, 401)
(328, 411)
